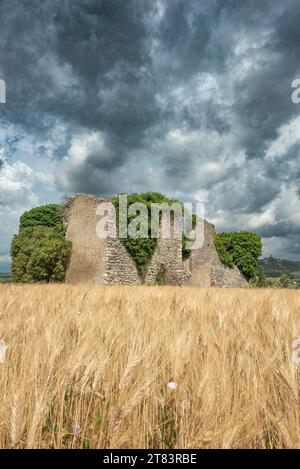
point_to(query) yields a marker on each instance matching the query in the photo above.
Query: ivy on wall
(142, 249)
(241, 249)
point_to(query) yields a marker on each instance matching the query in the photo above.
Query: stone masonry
(95, 260)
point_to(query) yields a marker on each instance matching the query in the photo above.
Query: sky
(191, 98)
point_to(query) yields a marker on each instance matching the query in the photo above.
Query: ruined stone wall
(120, 268)
(206, 268)
(99, 260)
(202, 259)
(223, 276)
(94, 259)
(168, 255)
(87, 259)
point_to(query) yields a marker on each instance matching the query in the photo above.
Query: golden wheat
(89, 367)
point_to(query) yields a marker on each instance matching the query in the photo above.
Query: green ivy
(160, 276)
(142, 249)
(241, 249)
(185, 239)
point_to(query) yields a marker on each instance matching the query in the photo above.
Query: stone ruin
(95, 260)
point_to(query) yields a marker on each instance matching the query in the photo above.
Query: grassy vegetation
(278, 282)
(89, 367)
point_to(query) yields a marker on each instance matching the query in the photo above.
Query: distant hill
(5, 278)
(275, 267)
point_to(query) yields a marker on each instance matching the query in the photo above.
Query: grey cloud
(136, 70)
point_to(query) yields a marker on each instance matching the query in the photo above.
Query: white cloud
(86, 154)
(22, 186)
(288, 135)
(84, 145)
(287, 206)
(16, 180)
(4, 259)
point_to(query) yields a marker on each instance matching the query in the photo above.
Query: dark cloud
(180, 97)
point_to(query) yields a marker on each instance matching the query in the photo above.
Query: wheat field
(91, 367)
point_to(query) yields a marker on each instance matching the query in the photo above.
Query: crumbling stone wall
(120, 266)
(206, 268)
(106, 261)
(223, 276)
(86, 263)
(94, 259)
(168, 256)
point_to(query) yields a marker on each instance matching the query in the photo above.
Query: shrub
(284, 281)
(261, 280)
(40, 250)
(241, 249)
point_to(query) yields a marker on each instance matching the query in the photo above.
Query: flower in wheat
(3, 348)
(172, 385)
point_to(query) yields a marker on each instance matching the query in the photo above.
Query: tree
(48, 260)
(284, 281)
(40, 250)
(241, 249)
(261, 277)
(45, 215)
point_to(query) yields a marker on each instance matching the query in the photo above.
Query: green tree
(261, 277)
(39, 253)
(40, 250)
(284, 281)
(241, 249)
(48, 260)
(45, 215)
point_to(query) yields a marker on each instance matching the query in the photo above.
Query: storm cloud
(190, 98)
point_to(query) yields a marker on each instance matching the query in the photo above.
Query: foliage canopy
(241, 248)
(45, 215)
(40, 250)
